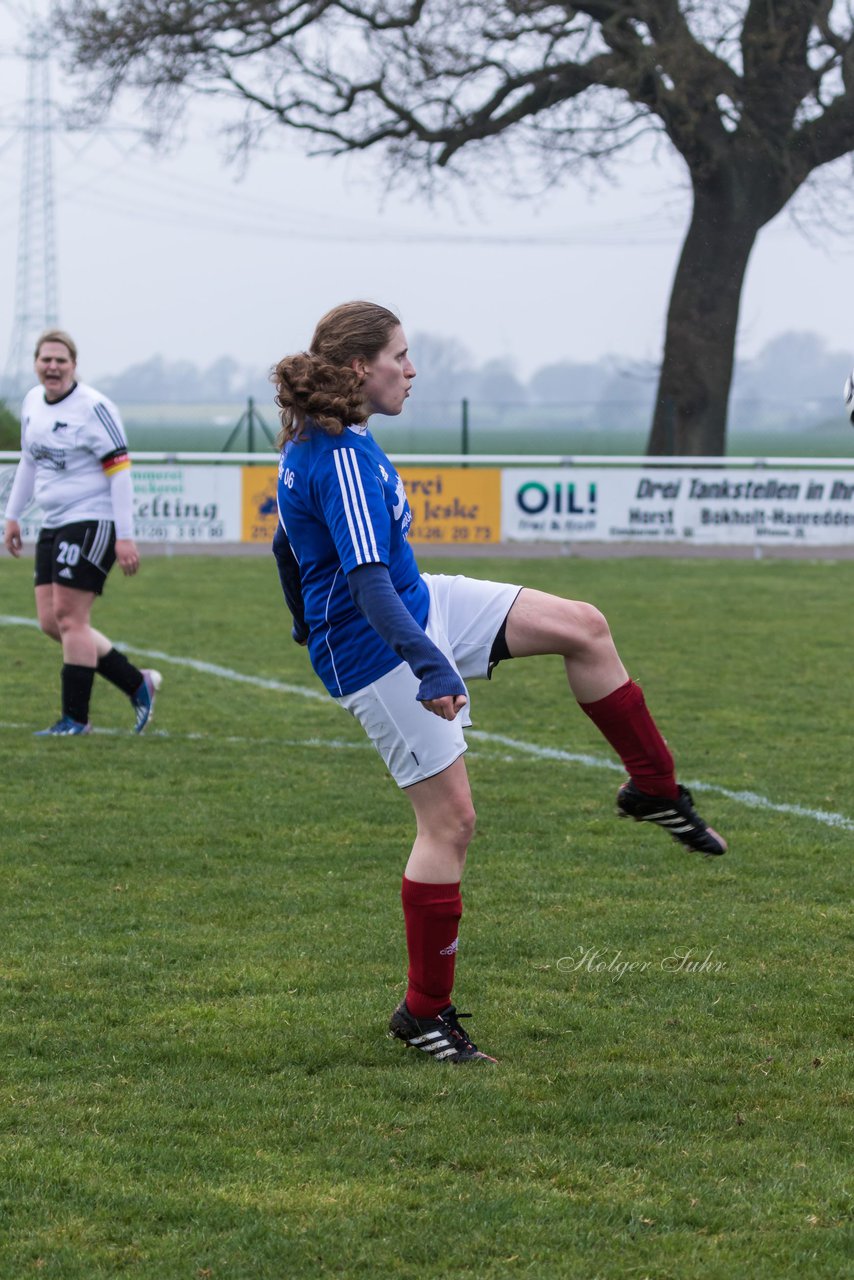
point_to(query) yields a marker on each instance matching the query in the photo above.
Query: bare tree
(754, 95)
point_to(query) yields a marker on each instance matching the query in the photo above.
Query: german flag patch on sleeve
(119, 460)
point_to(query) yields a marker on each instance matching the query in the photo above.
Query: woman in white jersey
(395, 647)
(75, 464)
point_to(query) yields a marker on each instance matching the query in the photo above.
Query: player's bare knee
(468, 825)
(460, 824)
(587, 630)
(598, 630)
(65, 622)
(452, 826)
(48, 623)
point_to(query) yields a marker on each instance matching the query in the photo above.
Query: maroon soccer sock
(624, 720)
(432, 915)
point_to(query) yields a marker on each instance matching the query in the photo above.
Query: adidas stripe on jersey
(76, 444)
(343, 505)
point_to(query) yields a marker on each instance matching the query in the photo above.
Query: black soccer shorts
(76, 555)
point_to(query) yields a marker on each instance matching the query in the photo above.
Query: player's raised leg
(539, 623)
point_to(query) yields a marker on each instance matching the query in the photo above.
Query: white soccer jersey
(76, 444)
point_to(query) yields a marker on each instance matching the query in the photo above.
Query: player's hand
(12, 538)
(127, 556)
(448, 707)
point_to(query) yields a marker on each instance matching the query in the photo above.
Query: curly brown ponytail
(320, 384)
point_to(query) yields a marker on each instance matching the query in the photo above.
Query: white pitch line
(751, 799)
(206, 668)
(226, 673)
(325, 743)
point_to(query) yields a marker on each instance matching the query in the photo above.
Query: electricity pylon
(36, 274)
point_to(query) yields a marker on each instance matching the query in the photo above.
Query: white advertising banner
(171, 503)
(204, 503)
(726, 505)
(187, 503)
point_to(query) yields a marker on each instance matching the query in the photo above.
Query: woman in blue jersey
(395, 647)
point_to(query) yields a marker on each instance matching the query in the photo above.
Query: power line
(146, 211)
(170, 199)
(215, 209)
(312, 224)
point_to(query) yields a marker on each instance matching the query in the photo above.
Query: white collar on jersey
(360, 428)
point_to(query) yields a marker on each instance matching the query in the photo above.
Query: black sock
(76, 691)
(115, 667)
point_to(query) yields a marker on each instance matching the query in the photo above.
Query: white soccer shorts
(464, 618)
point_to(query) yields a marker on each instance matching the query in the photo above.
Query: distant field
(202, 943)
(527, 431)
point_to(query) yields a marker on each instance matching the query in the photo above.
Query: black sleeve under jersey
(286, 563)
(378, 602)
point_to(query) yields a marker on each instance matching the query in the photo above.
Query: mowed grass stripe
(749, 798)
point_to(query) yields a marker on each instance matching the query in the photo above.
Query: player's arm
(18, 501)
(849, 397)
(288, 566)
(441, 690)
(356, 516)
(104, 434)
(116, 467)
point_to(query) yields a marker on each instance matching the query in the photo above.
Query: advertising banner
(469, 506)
(187, 503)
(765, 506)
(449, 504)
(171, 503)
(458, 505)
(735, 506)
(31, 522)
(260, 513)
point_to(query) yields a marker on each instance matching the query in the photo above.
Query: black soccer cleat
(442, 1037)
(678, 817)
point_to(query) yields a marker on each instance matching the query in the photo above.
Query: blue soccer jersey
(343, 505)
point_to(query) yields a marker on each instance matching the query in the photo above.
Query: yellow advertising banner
(259, 503)
(450, 505)
(454, 505)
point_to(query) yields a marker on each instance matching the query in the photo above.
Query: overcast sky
(178, 255)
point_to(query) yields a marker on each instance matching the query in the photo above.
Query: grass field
(202, 943)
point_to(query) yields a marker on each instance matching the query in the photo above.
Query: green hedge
(10, 429)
